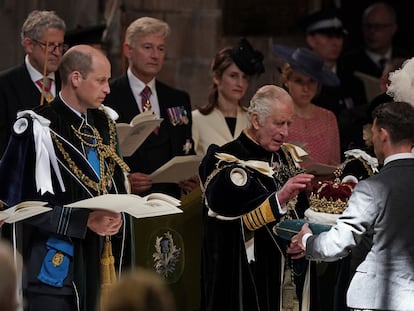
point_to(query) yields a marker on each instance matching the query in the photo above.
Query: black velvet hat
(326, 22)
(307, 62)
(249, 60)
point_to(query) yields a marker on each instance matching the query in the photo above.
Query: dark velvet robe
(228, 281)
(17, 183)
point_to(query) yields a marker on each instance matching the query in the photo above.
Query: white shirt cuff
(282, 207)
(305, 238)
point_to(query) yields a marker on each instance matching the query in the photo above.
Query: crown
(331, 197)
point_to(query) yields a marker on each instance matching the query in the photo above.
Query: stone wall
(196, 36)
(197, 33)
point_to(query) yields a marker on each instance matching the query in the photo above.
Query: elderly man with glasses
(35, 81)
(379, 27)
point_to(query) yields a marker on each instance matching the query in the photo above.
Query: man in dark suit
(21, 87)
(379, 25)
(385, 278)
(144, 48)
(325, 35)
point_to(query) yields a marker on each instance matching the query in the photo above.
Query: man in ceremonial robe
(47, 159)
(249, 184)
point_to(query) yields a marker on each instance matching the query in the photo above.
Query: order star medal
(57, 259)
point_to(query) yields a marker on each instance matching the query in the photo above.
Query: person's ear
(216, 79)
(28, 45)
(384, 135)
(127, 49)
(75, 78)
(255, 121)
(394, 28)
(310, 41)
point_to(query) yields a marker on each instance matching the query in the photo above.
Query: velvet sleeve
(237, 191)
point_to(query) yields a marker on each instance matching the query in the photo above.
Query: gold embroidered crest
(57, 259)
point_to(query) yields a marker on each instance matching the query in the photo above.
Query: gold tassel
(108, 275)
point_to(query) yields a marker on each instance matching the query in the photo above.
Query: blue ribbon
(55, 266)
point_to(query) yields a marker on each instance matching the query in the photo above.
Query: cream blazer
(212, 129)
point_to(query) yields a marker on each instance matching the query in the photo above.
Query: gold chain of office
(104, 152)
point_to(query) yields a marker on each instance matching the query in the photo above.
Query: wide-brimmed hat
(307, 62)
(249, 60)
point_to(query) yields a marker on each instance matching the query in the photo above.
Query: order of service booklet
(23, 211)
(177, 169)
(132, 135)
(154, 204)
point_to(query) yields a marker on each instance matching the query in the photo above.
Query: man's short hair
(37, 22)
(144, 26)
(397, 118)
(264, 99)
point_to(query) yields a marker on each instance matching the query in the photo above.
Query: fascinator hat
(249, 60)
(401, 83)
(307, 62)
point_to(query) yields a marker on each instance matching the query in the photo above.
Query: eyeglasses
(51, 46)
(376, 27)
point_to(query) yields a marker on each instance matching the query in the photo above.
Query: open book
(23, 210)
(132, 135)
(154, 204)
(177, 169)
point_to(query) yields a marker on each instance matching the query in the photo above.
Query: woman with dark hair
(224, 117)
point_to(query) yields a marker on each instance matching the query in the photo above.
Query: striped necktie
(145, 98)
(46, 88)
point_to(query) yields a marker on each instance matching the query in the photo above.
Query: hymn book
(23, 211)
(177, 169)
(154, 204)
(132, 135)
